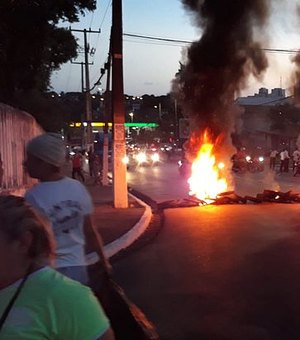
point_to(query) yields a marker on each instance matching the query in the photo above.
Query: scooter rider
(239, 159)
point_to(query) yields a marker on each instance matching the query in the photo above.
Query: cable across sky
(148, 37)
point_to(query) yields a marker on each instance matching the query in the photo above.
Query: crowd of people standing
(95, 161)
(285, 159)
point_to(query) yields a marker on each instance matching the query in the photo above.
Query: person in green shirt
(37, 302)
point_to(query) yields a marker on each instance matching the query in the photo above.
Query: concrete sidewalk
(119, 228)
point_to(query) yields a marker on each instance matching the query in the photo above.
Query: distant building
(266, 120)
(263, 97)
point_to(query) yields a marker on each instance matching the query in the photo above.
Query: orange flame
(206, 181)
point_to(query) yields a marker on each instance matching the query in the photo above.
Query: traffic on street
(218, 271)
(164, 182)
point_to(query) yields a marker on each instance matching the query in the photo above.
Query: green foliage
(31, 45)
(50, 112)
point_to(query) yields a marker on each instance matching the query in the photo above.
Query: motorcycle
(239, 165)
(256, 164)
(248, 163)
(296, 169)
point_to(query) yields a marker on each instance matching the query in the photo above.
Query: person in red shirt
(77, 165)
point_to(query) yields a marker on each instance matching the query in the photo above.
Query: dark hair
(17, 217)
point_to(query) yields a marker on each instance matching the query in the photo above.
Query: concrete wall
(16, 128)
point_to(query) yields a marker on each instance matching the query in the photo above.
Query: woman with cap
(37, 302)
(66, 203)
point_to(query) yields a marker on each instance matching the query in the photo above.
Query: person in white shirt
(284, 160)
(273, 155)
(66, 203)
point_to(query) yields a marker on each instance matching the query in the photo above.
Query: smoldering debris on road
(267, 196)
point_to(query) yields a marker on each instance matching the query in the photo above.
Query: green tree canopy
(32, 46)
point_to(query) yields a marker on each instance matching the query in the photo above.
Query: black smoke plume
(218, 65)
(296, 75)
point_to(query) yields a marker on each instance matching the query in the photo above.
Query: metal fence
(16, 128)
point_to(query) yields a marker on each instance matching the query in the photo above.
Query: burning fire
(206, 181)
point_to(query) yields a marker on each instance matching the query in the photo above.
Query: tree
(31, 44)
(49, 109)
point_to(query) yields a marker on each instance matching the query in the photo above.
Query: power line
(157, 38)
(109, 3)
(280, 50)
(92, 19)
(147, 37)
(105, 13)
(100, 28)
(157, 43)
(103, 19)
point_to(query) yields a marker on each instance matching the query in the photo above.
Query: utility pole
(88, 101)
(82, 116)
(82, 80)
(176, 118)
(159, 110)
(119, 150)
(107, 115)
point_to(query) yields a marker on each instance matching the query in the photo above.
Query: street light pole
(107, 117)
(90, 139)
(119, 149)
(176, 118)
(131, 114)
(88, 132)
(159, 110)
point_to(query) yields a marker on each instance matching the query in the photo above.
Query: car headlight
(141, 157)
(261, 159)
(155, 157)
(248, 158)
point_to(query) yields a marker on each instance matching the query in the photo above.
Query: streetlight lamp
(131, 114)
(159, 109)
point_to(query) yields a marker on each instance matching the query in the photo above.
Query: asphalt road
(163, 182)
(218, 272)
(160, 182)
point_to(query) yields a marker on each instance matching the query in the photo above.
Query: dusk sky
(150, 66)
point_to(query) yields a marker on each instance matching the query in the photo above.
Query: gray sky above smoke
(149, 67)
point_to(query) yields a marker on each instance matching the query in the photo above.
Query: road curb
(146, 199)
(133, 234)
